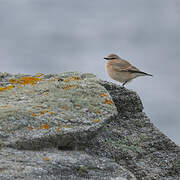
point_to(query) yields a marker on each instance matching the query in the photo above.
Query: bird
(121, 70)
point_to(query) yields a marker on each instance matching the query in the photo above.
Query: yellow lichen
(25, 80)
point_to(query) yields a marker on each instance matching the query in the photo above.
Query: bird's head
(112, 57)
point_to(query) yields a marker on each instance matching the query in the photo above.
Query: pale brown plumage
(121, 70)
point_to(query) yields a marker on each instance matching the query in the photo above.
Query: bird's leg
(124, 83)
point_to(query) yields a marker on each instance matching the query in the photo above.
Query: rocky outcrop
(53, 111)
(75, 126)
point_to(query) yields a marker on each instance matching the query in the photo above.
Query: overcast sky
(52, 36)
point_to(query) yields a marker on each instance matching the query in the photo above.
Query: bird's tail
(139, 72)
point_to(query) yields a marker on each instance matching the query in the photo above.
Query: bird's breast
(117, 75)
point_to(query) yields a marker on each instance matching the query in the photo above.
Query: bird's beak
(107, 58)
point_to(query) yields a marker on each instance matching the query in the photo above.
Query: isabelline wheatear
(121, 70)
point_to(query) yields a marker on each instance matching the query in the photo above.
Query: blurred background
(53, 36)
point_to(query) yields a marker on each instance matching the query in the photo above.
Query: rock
(52, 110)
(134, 142)
(54, 164)
(75, 126)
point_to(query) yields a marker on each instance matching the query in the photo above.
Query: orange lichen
(47, 159)
(25, 80)
(104, 94)
(67, 80)
(76, 78)
(39, 74)
(34, 114)
(69, 87)
(108, 101)
(51, 113)
(72, 78)
(43, 111)
(6, 88)
(30, 128)
(13, 81)
(44, 126)
(99, 112)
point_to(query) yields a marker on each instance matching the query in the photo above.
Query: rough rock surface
(52, 110)
(66, 126)
(134, 142)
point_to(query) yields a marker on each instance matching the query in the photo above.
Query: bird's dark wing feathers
(135, 71)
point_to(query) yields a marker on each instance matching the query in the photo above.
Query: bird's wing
(120, 65)
(133, 69)
(124, 66)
